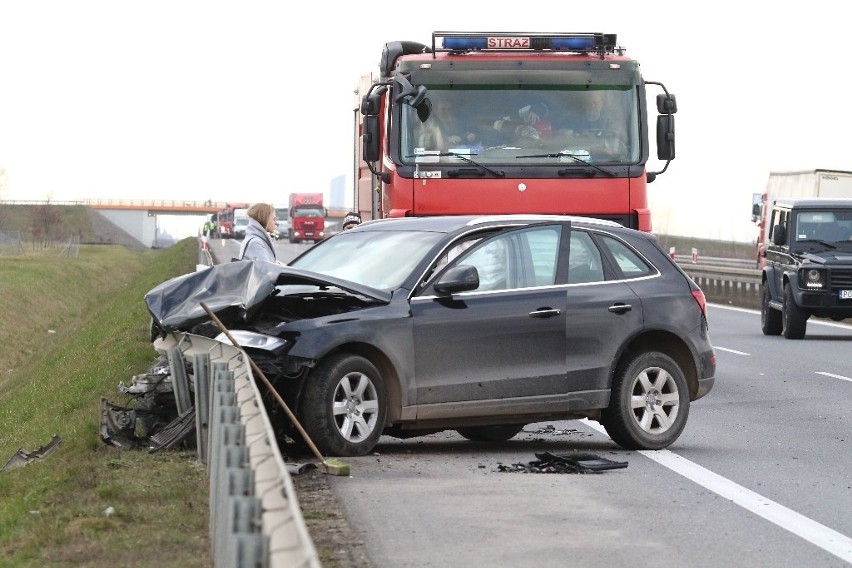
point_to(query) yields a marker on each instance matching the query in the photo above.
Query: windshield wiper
(573, 157)
(456, 173)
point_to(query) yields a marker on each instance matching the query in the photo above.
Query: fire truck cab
(495, 123)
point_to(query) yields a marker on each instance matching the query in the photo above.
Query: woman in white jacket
(257, 244)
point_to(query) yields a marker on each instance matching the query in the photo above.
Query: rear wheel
(770, 319)
(499, 433)
(794, 318)
(344, 406)
(649, 403)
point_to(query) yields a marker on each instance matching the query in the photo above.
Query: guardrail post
(180, 382)
(201, 369)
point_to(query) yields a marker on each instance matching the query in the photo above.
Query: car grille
(841, 279)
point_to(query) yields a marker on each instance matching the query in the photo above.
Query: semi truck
(508, 122)
(241, 221)
(307, 216)
(818, 183)
(282, 215)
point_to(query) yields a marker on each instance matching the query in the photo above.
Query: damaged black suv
(808, 269)
(476, 324)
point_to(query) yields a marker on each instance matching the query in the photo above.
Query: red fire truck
(495, 123)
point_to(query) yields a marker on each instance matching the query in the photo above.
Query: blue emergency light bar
(501, 41)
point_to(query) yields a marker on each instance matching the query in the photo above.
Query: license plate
(846, 294)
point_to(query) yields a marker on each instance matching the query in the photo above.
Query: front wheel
(770, 320)
(649, 403)
(794, 319)
(344, 406)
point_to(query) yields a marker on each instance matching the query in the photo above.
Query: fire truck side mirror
(371, 102)
(424, 110)
(665, 137)
(666, 104)
(418, 97)
(370, 139)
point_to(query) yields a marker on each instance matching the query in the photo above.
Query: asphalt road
(762, 476)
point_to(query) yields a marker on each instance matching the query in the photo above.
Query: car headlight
(813, 279)
(253, 339)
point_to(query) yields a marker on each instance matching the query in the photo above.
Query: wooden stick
(333, 468)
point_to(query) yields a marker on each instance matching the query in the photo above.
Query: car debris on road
(563, 463)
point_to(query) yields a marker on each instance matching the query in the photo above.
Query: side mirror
(424, 109)
(418, 97)
(458, 279)
(404, 89)
(371, 102)
(779, 235)
(370, 139)
(665, 137)
(666, 104)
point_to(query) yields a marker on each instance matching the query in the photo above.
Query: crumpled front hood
(234, 286)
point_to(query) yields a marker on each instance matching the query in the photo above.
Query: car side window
(543, 246)
(584, 259)
(631, 264)
(516, 259)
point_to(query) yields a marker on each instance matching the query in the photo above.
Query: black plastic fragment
(564, 463)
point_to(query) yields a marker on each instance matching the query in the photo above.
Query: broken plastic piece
(299, 468)
(118, 425)
(564, 463)
(22, 457)
(175, 432)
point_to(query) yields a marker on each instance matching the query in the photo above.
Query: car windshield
(824, 226)
(380, 259)
(308, 212)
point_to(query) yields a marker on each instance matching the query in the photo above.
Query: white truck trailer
(809, 183)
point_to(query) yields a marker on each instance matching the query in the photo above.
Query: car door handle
(545, 313)
(620, 308)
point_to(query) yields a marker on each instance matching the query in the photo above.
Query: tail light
(702, 301)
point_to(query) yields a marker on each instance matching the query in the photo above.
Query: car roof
(450, 223)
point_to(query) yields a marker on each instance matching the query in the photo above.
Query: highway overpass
(140, 218)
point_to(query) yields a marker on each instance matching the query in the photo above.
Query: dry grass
(73, 328)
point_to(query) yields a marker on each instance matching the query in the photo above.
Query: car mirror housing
(458, 279)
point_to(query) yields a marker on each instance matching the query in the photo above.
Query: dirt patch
(337, 544)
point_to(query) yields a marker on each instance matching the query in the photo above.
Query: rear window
(631, 264)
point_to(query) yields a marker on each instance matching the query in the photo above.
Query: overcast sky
(252, 100)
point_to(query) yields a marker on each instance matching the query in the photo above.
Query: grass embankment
(72, 329)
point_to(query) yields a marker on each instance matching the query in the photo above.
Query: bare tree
(46, 224)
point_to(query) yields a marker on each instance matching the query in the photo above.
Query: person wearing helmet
(351, 221)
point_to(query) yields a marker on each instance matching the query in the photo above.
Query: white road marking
(820, 535)
(832, 375)
(734, 351)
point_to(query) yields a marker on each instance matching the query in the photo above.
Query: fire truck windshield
(552, 125)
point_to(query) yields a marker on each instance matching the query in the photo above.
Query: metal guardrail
(255, 518)
(727, 285)
(205, 258)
